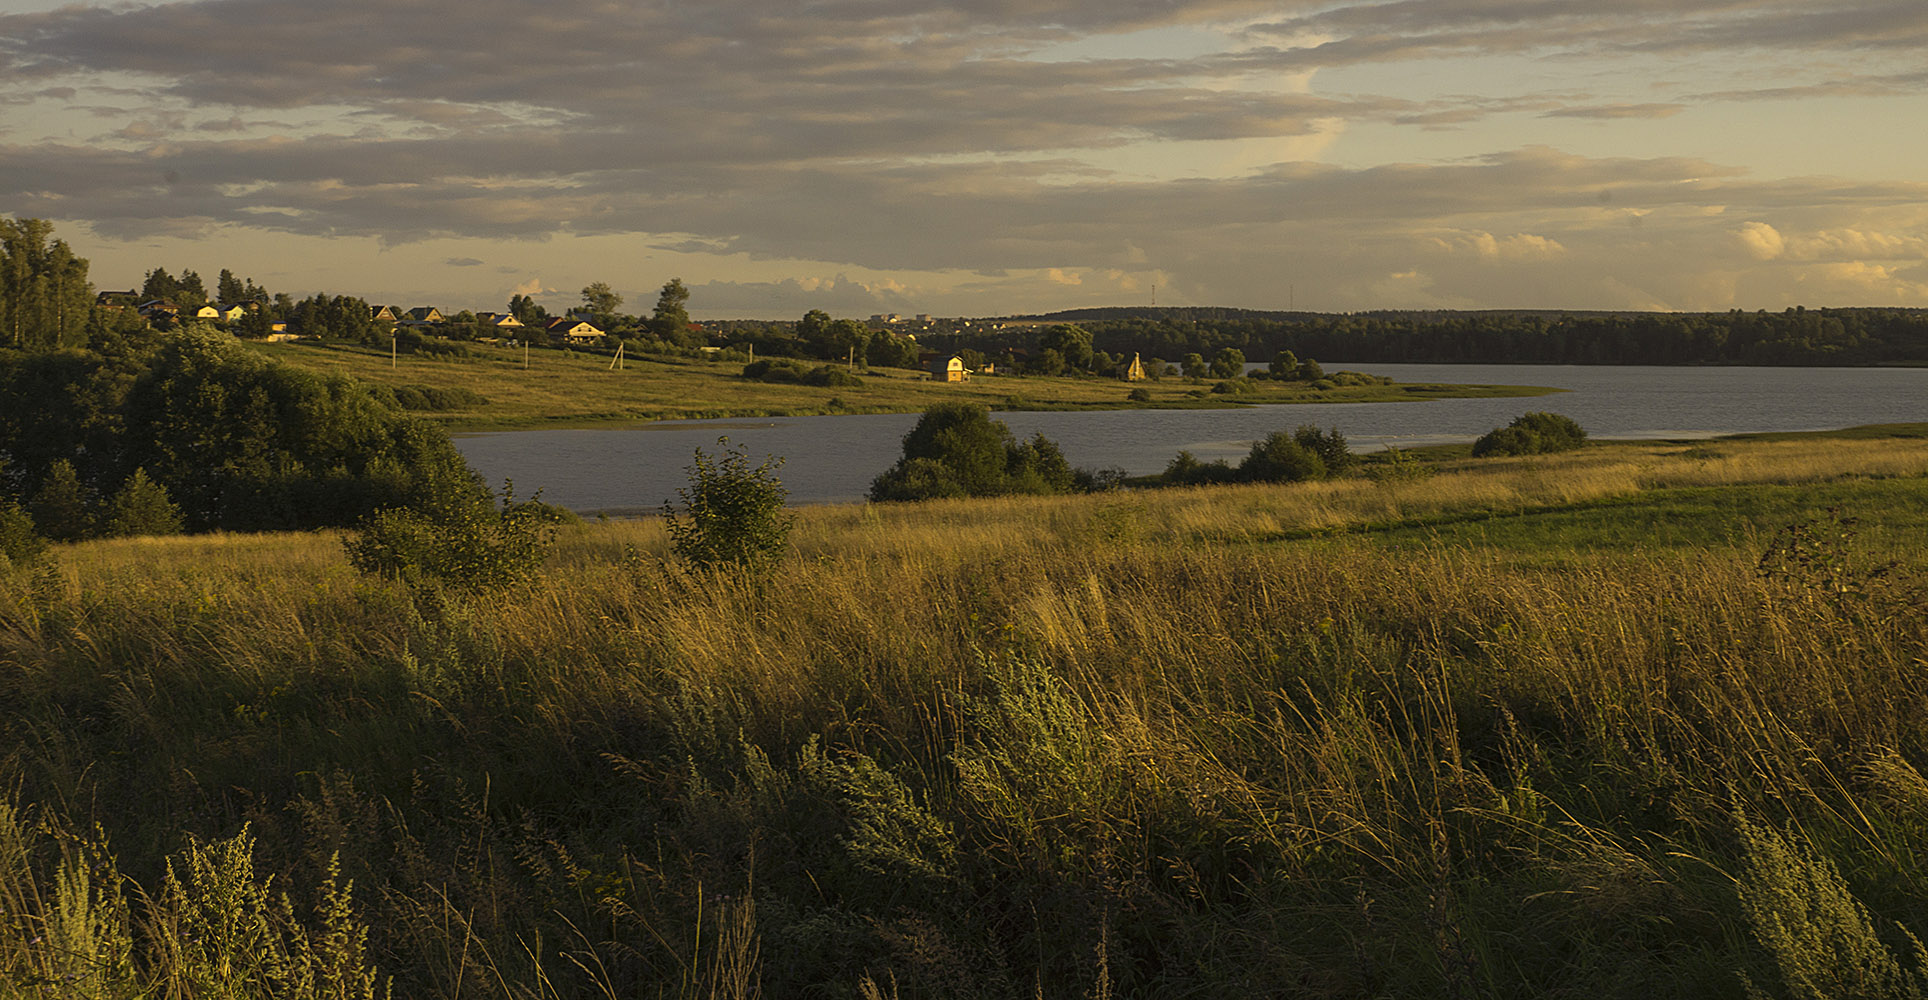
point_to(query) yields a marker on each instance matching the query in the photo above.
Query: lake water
(833, 459)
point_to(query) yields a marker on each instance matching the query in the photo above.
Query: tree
(1329, 445)
(1284, 365)
(228, 289)
(60, 508)
(1073, 343)
(733, 514)
(1229, 362)
(526, 311)
(1194, 365)
(1310, 371)
(671, 320)
(141, 507)
(601, 301)
(45, 298)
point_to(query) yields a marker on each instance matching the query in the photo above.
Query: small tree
(141, 507)
(1229, 362)
(732, 513)
(61, 508)
(1329, 445)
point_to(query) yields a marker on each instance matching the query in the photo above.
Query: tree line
(1796, 336)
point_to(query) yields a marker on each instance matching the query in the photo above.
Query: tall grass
(1130, 743)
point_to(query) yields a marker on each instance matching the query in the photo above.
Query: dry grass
(977, 748)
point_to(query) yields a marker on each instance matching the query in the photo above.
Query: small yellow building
(950, 369)
(1134, 372)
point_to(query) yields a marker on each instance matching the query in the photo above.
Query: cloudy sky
(985, 157)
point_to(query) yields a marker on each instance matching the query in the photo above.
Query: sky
(985, 157)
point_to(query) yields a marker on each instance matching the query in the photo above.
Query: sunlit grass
(1462, 733)
(567, 388)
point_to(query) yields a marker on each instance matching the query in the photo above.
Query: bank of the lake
(526, 390)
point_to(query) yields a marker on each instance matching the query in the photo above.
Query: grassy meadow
(1640, 720)
(575, 388)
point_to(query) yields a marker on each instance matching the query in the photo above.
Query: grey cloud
(463, 262)
(1611, 112)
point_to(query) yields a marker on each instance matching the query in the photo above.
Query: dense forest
(1798, 336)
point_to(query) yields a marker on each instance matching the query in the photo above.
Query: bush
(1139, 395)
(461, 541)
(831, 377)
(19, 542)
(1186, 470)
(956, 449)
(732, 514)
(141, 507)
(1281, 459)
(437, 398)
(1329, 445)
(1532, 434)
(773, 370)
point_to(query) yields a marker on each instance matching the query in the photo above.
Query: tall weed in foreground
(1822, 940)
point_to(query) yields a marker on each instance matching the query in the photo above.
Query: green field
(568, 388)
(1640, 720)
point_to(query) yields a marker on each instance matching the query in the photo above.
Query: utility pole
(391, 352)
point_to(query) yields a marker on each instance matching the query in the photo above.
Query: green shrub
(732, 513)
(461, 541)
(831, 377)
(19, 541)
(1139, 395)
(956, 449)
(1281, 459)
(777, 370)
(1186, 470)
(141, 507)
(1532, 434)
(1329, 445)
(437, 398)
(60, 507)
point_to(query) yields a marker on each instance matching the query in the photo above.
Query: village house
(949, 368)
(574, 331)
(1134, 372)
(501, 321)
(385, 314)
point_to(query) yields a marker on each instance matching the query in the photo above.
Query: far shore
(571, 389)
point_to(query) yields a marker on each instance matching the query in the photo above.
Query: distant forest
(1798, 336)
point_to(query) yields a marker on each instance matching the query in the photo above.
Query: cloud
(1615, 112)
(1761, 240)
(918, 142)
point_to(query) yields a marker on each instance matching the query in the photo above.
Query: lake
(832, 459)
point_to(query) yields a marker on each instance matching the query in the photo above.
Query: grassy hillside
(563, 388)
(1639, 720)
